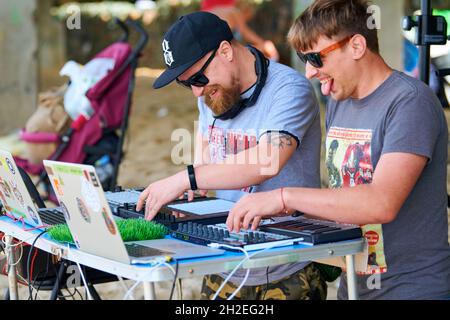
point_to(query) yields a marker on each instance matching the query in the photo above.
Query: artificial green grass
(61, 233)
(130, 230)
(140, 229)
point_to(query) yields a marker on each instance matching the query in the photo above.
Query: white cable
(248, 257)
(26, 283)
(124, 286)
(10, 256)
(143, 277)
(152, 268)
(18, 243)
(129, 292)
(248, 272)
(278, 244)
(8, 247)
(240, 286)
(84, 282)
(12, 245)
(235, 268)
(82, 275)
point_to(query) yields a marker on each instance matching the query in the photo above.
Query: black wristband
(191, 173)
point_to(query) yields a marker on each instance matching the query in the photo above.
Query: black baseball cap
(188, 40)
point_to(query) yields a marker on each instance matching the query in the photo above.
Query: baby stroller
(89, 140)
(101, 136)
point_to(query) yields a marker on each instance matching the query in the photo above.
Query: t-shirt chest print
(224, 142)
(349, 163)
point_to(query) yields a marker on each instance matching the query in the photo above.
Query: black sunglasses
(198, 79)
(315, 58)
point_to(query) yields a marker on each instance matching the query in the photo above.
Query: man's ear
(358, 46)
(226, 50)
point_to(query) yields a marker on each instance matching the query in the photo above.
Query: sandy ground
(155, 116)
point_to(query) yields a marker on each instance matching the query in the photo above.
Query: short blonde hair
(332, 18)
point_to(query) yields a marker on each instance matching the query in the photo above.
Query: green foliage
(107, 9)
(130, 230)
(121, 9)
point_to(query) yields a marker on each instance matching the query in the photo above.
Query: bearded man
(259, 124)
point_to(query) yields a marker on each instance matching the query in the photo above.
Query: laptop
(16, 199)
(93, 225)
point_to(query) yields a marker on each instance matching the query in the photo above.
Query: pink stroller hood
(38, 137)
(108, 98)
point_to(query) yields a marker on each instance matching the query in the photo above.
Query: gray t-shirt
(287, 103)
(409, 258)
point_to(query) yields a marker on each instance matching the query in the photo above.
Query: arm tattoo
(279, 139)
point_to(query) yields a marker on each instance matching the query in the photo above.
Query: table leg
(149, 291)
(12, 278)
(351, 278)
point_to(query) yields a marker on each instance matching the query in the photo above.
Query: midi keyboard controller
(298, 230)
(209, 228)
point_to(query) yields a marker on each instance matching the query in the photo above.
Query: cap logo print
(189, 39)
(10, 166)
(168, 57)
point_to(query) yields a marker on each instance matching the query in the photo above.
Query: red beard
(225, 99)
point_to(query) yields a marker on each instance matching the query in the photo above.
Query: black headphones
(261, 66)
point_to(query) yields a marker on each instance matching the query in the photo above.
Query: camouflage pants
(305, 284)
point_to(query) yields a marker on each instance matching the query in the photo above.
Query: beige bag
(49, 117)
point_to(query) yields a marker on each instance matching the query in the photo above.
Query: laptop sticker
(5, 203)
(94, 179)
(90, 195)
(109, 223)
(5, 188)
(10, 166)
(61, 168)
(33, 215)
(58, 187)
(18, 195)
(83, 210)
(75, 240)
(65, 211)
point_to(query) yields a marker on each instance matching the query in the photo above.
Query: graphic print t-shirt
(410, 255)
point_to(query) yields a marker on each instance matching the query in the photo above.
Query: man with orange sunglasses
(386, 144)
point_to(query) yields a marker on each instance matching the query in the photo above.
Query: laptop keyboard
(137, 251)
(52, 216)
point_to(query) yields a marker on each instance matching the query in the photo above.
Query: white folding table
(186, 267)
